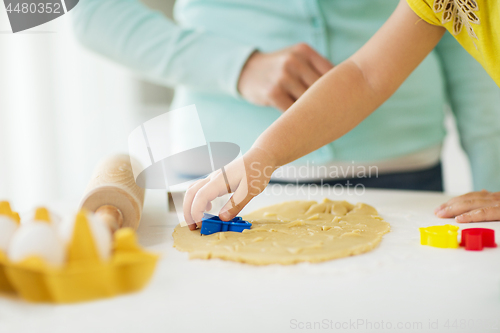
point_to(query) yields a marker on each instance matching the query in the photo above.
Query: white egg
(103, 239)
(102, 236)
(7, 229)
(37, 239)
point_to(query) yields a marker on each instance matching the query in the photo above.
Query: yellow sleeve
(423, 8)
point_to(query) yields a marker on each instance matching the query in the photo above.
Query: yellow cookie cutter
(443, 236)
(85, 276)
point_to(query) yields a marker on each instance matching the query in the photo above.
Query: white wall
(62, 108)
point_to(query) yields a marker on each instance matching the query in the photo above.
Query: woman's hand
(279, 78)
(479, 206)
(246, 177)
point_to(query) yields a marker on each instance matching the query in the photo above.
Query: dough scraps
(291, 232)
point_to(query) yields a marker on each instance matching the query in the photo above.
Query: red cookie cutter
(475, 239)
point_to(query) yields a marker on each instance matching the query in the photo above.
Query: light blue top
(203, 54)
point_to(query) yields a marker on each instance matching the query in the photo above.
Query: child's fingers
(188, 201)
(489, 213)
(467, 196)
(236, 203)
(211, 190)
(463, 206)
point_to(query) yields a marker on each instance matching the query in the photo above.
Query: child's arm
(331, 107)
(350, 92)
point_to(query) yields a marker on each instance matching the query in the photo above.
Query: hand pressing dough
(291, 232)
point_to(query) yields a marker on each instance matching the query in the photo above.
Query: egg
(37, 239)
(100, 233)
(7, 229)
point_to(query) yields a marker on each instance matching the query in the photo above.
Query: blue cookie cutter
(211, 224)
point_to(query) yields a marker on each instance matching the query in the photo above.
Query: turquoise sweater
(203, 54)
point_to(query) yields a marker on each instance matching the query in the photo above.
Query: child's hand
(472, 207)
(246, 177)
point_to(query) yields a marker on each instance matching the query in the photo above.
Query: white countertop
(401, 286)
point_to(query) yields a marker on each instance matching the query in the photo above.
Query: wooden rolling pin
(113, 195)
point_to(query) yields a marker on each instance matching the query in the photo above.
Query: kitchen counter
(401, 286)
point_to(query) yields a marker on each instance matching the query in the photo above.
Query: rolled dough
(291, 232)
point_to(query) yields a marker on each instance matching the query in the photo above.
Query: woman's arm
(146, 41)
(333, 105)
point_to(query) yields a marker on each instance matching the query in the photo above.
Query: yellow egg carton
(85, 276)
(6, 210)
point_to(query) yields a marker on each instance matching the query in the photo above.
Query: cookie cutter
(211, 224)
(443, 236)
(475, 239)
